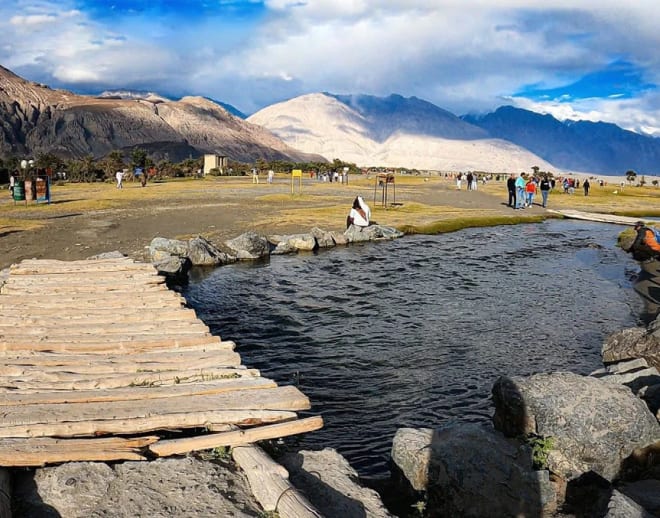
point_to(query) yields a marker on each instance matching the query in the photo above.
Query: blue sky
(597, 61)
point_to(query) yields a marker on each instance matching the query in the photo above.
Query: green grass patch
(454, 224)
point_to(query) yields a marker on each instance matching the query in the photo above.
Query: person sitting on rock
(646, 245)
(360, 213)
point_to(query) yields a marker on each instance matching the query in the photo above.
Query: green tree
(630, 176)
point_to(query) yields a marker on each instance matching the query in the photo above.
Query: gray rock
(632, 343)
(339, 239)
(620, 506)
(356, 234)
(202, 253)
(182, 487)
(160, 247)
(293, 243)
(249, 246)
(323, 238)
(331, 484)
(594, 425)
(172, 266)
(473, 470)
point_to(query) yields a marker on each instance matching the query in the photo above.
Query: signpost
(296, 173)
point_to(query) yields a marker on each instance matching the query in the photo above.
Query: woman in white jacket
(360, 214)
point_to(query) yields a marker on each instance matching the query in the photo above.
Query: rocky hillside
(392, 131)
(36, 119)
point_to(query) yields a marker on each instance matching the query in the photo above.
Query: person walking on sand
(511, 187)
(119, 175)
(520, 191)
(586, 186)
(545, 190)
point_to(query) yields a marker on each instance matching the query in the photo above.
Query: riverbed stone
(473, 471)
(323, 238)
(249, 246)
(202, 252)
(356, 234)
(622, 506)
(182, 487)
(293, 243)
(161, 246)
(331, 484)
(632, 343)
(594, 425)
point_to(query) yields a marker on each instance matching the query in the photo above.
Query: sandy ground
(218, 210)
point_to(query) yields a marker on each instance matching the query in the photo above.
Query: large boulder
(594, 424)
(621, 506)
(331, 484)
(249, 246)
(162, 248)
(293, 243)
(356, 234)
(184, 487)
(323, 238)
(632, 343)
(472, 470)
(203, 253)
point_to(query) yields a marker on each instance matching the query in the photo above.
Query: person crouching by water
(360, 213)
(645, 246)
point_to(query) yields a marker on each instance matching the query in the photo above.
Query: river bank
(89, 219)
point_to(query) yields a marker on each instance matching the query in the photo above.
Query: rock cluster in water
(559, 443)
(173, 257)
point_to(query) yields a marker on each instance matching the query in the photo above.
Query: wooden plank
(164, 356)
(41, 451)
(127, 380)
(35, 357)
(111, 344)
(100, 291)
(215, 386)
(233, 438)
(270, 486)
(17, 317)
(86, 364)
(148, 423)
(85, 328)
(278, 398)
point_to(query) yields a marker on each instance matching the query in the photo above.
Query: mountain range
(410, 132)
(36, 119)
(389, 131)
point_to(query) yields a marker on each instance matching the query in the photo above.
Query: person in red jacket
(646, 245)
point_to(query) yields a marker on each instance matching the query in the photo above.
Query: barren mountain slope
(36, 119)
(321, 123)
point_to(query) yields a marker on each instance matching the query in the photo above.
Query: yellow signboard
(296, 173)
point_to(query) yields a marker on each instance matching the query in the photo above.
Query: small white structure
(214, 162)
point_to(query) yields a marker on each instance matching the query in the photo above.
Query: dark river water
(414, 332)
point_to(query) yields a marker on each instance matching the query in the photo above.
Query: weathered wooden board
(41, 451)
(215, 386)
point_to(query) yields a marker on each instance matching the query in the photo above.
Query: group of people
(471, 179)
(522, 189)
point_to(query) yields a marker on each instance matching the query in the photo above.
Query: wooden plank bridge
(100, 361)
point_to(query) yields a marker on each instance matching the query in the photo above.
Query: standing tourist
(271, 175)
(530, 190)
(511, 187)
(459, 178)
(545, 190)
(468, 182)
(255, 175)
(520, 191)
(119, 175)
(586, 186)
